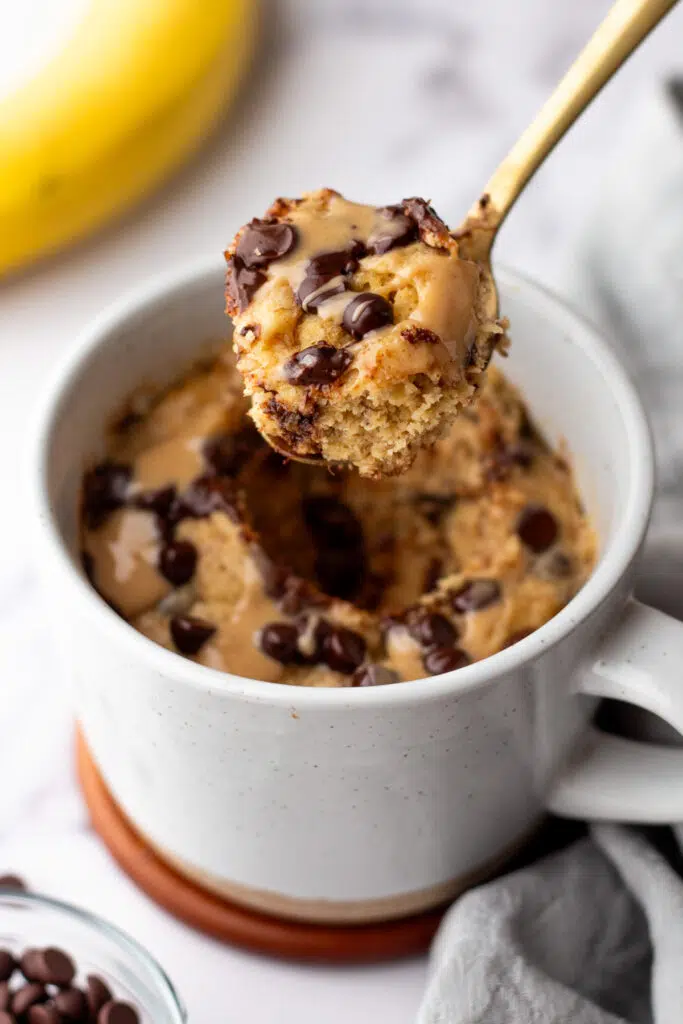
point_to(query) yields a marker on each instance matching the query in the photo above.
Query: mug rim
(614, 561)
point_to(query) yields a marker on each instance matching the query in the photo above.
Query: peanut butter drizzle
(178, 461)
(447, 287)
(234, 648)
(125, 549)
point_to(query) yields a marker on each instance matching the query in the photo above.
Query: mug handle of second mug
(639, 661)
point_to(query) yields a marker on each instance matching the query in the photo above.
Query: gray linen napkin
(594, 934)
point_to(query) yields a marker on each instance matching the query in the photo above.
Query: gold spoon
(626, 25)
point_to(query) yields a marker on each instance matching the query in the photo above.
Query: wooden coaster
(235, 924)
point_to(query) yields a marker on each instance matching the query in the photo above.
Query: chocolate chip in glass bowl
(537, 528)
(8, 965)
(342, 649)
(317, 364)
(118, 1013)
(430, 629)
(72, 1005)
(279, 641)
(374, 675)
(365, 313)
(46, 1013)
(97, 994)
(264, 242)
(444, 659)
(178, 561)
(105, 488)
(475, 595)
(190, 633)
(50, 966)
(26, 996)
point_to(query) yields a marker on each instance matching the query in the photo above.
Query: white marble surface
(380, 99)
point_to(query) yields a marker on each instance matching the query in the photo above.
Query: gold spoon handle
(624, 28)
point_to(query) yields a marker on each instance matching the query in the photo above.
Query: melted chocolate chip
(374, 675)
(342, 649)
(105, 488)
(504, 459)
(160, 501)
(242, 283)
(206, 495)
(190, 633)
(444, 659)
(310, 294)
(432, 575)
(278, 640)
(298, 595)
(400, 230)
(227, 454)
(178, 561)
(426, 218)
(262, 243)
(537, 528)
(475, 595)
(430, 629)
(318, 364)
(365, 313)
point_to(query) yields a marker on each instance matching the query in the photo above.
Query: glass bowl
(29, 919)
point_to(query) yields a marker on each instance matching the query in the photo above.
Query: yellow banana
(133, 91)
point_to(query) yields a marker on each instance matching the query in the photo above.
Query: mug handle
(639, 661)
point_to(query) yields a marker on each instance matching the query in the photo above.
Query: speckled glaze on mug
(365, 804)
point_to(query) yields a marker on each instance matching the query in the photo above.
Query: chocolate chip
(298, 595)
(7, 965)
(318, 364)
(97, 993)
(5, 995)
(343, 650)
(475, 595)
(504, 459)
(537, 528)
(444, 659)
(190, 633)
(433, 574)
(49, 966)
(178, 561)
(365, 313)
(262, 242)
(426, 218)
(105, 488)
(278, 640)
(206, 495)
(399, 230)
(434, 506)
(242, 283)
(429, 628)
(311, 295)
(6, 1018)
(47, 1014)
(72, 1004)
(159, 501)
(27, 996)
(14, 882)
(227, 454)
(118, 1013)
(374, 675)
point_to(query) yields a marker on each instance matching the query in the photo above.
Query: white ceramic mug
(365, 804)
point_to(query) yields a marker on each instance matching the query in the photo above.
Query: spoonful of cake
(362, 332)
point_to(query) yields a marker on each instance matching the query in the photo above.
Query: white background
(380, 99)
